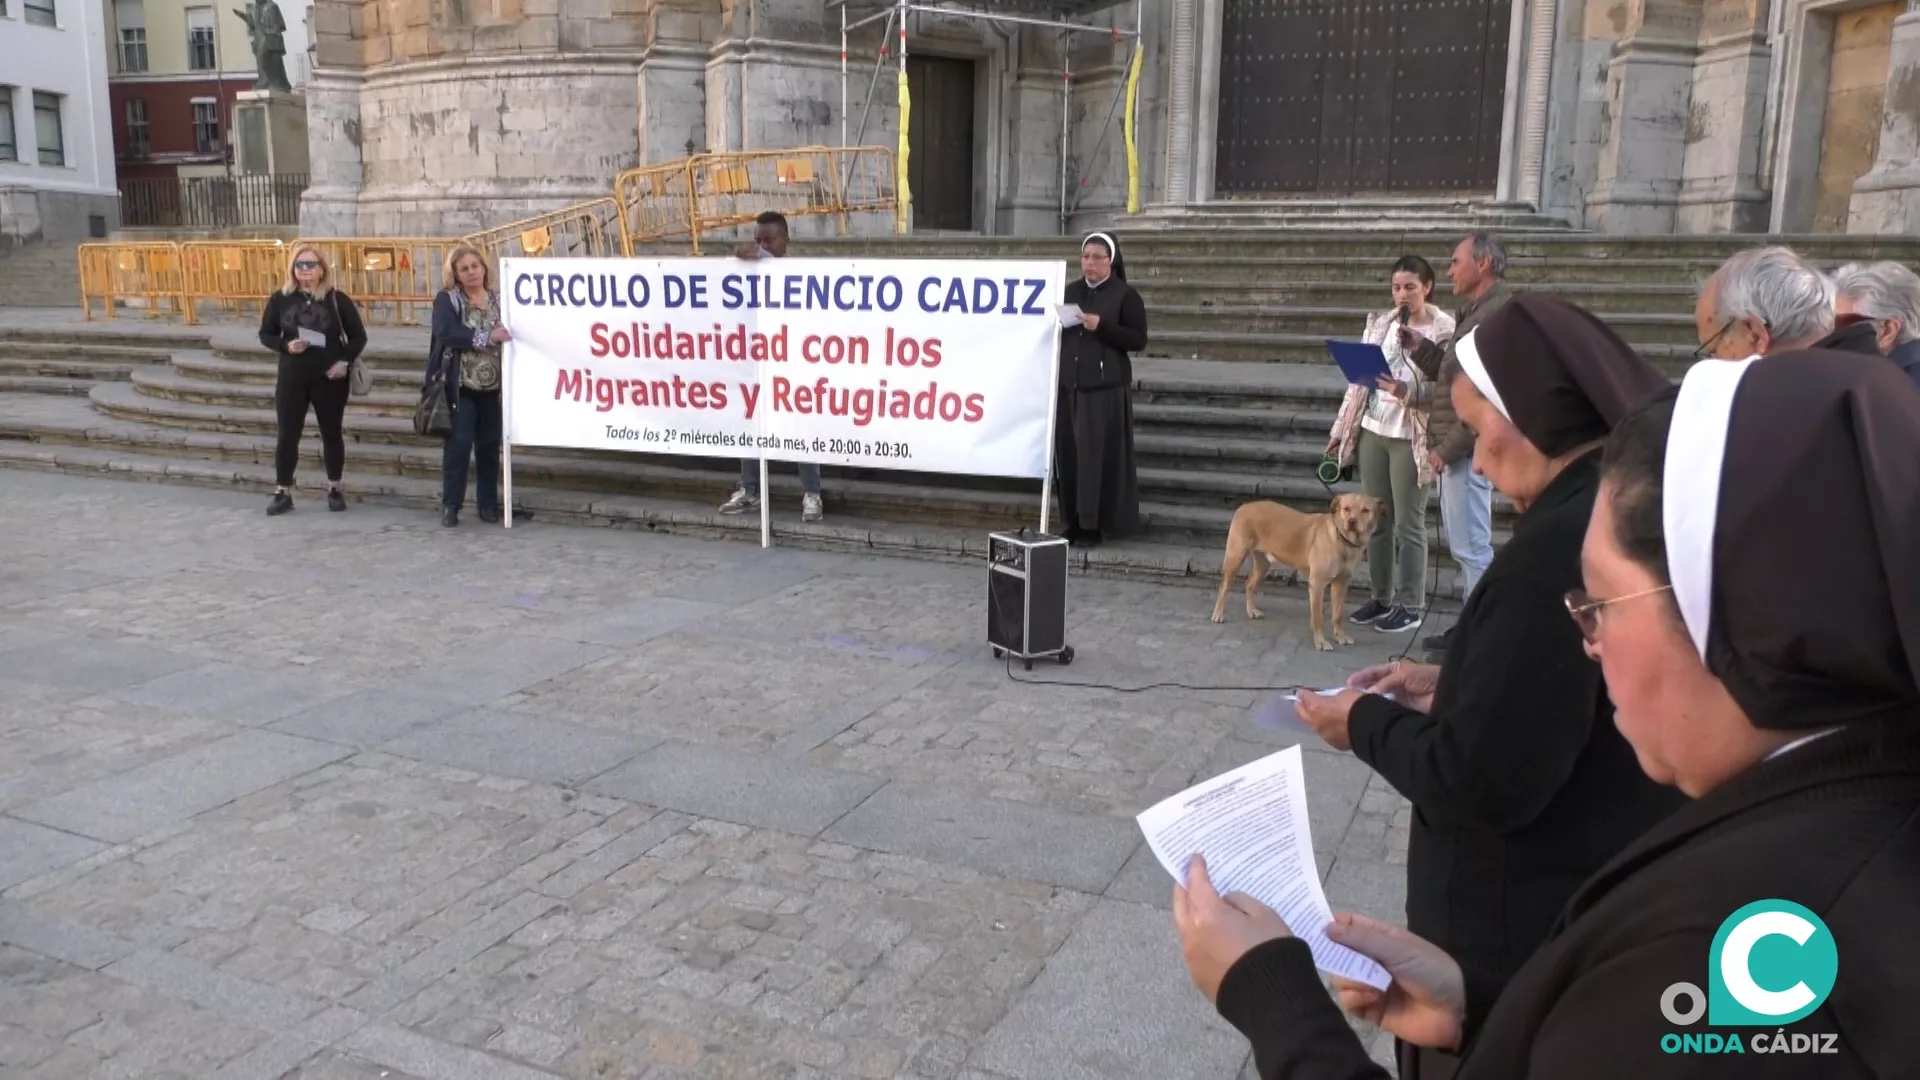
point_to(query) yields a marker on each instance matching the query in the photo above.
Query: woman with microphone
(1384, 427)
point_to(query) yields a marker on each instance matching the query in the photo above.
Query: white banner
(932, 365)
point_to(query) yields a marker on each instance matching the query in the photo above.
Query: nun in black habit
(1520, 785)
(1753, 597)
(1094, 469)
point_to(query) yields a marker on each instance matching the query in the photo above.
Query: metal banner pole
(766, 503)
(1053, 418)
(506, 435)
(507, 352)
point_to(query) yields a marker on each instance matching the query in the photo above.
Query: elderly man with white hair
(1886, 297)
(1762, 301)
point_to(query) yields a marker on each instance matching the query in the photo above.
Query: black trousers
(303, 385)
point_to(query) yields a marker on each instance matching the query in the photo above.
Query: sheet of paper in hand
(1069, 314)
(1279, 713)
(1251, 826)
(313, 338)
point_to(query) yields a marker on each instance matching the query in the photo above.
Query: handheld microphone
(1405, 314)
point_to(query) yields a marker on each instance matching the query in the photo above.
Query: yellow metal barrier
(655, 202)
(231, 273)
(388, 278)
(587, 230)
(394, 279)
(143, 273)
(720, 191)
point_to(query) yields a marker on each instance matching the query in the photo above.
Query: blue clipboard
(1360, 362)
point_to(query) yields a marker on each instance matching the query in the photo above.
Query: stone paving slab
(1115, 1001)
(735, 786)
(133, 804)
(343, 797)
(991, 835)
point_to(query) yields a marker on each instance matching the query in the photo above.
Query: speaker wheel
(1029, 664)
(998, 652)
(1066, 655)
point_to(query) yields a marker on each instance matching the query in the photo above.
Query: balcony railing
(212, 202)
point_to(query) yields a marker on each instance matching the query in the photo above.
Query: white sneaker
(810, 508)
(740, 503)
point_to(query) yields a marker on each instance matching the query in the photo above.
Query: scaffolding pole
(900, 9)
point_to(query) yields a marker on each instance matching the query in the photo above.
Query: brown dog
(1326, 547)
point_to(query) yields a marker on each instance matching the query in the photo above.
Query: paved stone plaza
(336, 796)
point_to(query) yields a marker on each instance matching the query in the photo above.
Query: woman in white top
(1382, 428)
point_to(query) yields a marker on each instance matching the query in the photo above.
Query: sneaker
(1370, 612)
(282, 502)
(336, 502)
(740, 503)
(449, 517)
(810, 508)
(1397, 621)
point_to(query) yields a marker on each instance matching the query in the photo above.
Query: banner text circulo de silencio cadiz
(758, 293)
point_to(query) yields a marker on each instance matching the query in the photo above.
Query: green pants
(1398, 552)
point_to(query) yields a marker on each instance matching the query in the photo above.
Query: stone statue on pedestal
(266, 33)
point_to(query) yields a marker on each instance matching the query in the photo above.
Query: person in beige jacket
(1478, 270)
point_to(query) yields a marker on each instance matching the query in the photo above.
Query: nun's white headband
(1112, 248)
(1691, 482)
(1467, 352)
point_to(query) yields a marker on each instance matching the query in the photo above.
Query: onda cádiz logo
(1772, 963)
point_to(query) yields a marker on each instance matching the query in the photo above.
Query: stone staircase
(40, 274)
(1233, 400)
(74, 369)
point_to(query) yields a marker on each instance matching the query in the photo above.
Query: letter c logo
(1772, 962)
(1736, 957)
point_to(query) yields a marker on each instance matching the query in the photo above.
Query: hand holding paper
(1250, 825)
(313, 338)
(1069, 314)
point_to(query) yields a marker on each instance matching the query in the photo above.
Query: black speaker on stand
(1027, 596)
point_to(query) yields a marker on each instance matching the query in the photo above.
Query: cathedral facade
(432, 117)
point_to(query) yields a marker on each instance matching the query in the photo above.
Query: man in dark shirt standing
(770, 242)
(1478, 270)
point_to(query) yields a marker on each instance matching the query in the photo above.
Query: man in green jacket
(1478, 270)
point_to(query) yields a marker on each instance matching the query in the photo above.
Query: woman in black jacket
(1784, 701)
(1094, 470)
(317, 332)
(467, 336)
(1521, 787)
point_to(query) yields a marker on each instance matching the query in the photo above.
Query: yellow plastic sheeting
(903, 194)
(1133, 147)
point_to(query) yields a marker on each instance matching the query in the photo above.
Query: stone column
(330, 205)
(1031, 206)
(1887, 198)
(1720, 188)
(1182, 73)
(1649, 100)
(673, 80)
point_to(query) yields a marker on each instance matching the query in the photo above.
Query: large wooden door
(1345, 96)
(940, 142)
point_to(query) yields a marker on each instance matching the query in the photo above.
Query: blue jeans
(1466, 513)
(750, 476)
(476, 431)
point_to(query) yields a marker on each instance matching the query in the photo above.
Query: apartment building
(177, 66)
(56, 154)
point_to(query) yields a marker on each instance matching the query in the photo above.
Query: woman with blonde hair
(465, 357)
(317, 333)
